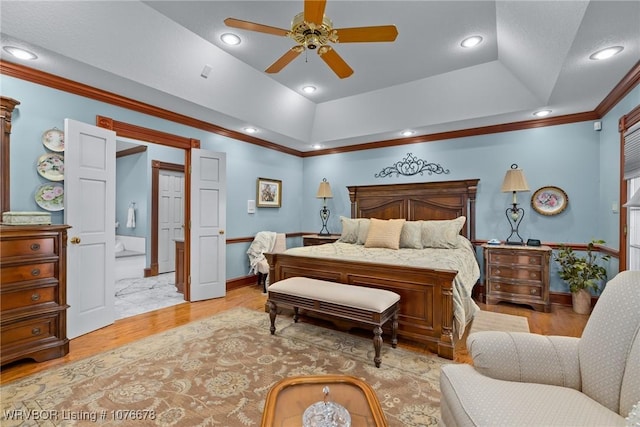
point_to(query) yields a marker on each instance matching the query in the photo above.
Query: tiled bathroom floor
(136, 296)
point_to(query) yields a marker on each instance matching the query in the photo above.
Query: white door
(170, 217)
(208, 221)
(89, 200)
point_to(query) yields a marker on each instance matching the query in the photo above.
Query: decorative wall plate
(53, 139)
(50, 196)
(51, 166)
(549, 200)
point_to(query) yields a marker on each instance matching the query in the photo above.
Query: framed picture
(268, 193)
(549, 200)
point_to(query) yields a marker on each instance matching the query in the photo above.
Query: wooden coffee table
(288, 399)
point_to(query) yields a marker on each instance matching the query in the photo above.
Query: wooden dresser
(518, 274)
(33, 292)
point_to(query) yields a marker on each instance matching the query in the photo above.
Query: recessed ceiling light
(308, 89)
(250, 130)
(471, 41)
(20, 53)
(407, 133)
(606, 53)
(542, 113)
(230, 39)
(317, 146)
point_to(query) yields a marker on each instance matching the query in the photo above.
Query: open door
(89, 200)
(207, 225)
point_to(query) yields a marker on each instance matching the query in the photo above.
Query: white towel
(131, 218)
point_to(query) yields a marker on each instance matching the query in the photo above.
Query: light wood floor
(561, 321)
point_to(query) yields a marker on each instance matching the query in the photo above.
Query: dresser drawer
(515, 273)
(30, 330)
(17, 273)
(34, 246)
(29, 297)
(516, 288)
(504, 257)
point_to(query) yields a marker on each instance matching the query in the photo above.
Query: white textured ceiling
(534, 55)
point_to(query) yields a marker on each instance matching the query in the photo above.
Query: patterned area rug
(217, 372)
(491, 321)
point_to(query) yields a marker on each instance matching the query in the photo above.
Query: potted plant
(582, 273)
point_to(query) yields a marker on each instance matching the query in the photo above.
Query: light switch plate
(251, 206)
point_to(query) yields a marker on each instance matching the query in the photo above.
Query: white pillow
(363, 230)
(349, 230)
(442, 234)
(384, 234)
(411, 235)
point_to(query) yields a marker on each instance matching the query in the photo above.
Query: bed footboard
(426, 296)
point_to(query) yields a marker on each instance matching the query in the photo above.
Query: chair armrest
(525, 357)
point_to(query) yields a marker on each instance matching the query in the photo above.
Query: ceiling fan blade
(314, 11)
(335, 61)
(383, 33)
(285, 59)
(252, 26)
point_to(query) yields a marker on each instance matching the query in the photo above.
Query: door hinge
(624, 231)
(189, 280)
(190, 169)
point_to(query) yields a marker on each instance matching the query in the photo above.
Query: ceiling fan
(312, 30)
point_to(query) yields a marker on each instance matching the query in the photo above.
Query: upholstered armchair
(522, 379)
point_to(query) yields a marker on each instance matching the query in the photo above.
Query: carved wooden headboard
(418, 201)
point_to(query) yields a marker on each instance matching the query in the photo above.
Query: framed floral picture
(549, 200)
(269, 193)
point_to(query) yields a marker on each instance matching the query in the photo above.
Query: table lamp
(514, 181)
(324, 193)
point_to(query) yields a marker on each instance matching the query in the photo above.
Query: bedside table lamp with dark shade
(514, 181)
(324, 193)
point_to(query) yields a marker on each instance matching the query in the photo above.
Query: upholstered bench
(357, 304)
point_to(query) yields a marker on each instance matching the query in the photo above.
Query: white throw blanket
(263, 242)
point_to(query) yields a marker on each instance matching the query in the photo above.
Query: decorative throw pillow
(384, 234)
(349, 230)
(411, 235)
(363, 230)
(442, 234)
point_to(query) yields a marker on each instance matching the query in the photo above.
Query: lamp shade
(634, 202)
(514, 180)
(324, 190)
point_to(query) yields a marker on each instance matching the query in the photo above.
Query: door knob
(221, 232)
(75, 240)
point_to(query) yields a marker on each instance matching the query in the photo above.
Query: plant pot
(581, 301)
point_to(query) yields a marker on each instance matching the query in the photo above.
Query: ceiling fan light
(230, 39)
(606, 53)
(542, 113)
(20, 53)
(308, 89)
(471, 41)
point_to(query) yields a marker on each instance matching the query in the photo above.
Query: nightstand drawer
(516, 289)
(504, 257)
(30, 330)
(515, 273)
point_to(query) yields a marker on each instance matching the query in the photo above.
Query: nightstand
(517, 274)
(317, 239)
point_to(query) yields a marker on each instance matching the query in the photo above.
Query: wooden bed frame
(426, 296)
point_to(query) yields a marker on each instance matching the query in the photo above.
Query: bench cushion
(375, 300)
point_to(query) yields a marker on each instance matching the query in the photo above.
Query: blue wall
(574, 157)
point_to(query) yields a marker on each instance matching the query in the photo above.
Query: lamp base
(514, 243)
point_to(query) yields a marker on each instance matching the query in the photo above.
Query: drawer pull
(35, 247)
(533, 275)
(497, 286)
(35, 331)
(497, 271)
(35, 272)
(533, 260)
(35, 297)
(534, 291)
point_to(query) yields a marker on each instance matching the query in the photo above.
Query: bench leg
(296, 314)
(273, 310)
(394, 330)
(377, 345)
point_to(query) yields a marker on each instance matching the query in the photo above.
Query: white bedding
(461, 259)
